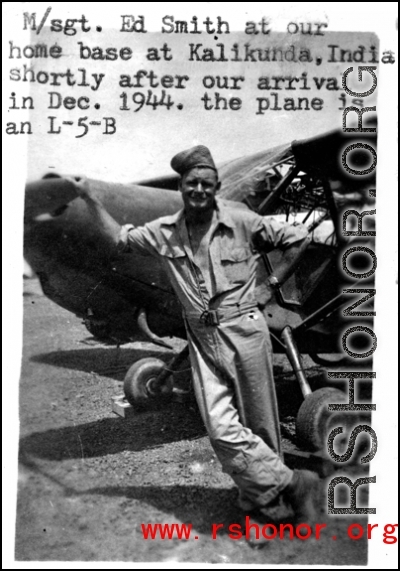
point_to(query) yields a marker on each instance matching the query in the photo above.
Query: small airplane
(128, 298)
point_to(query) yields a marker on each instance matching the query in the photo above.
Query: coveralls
(230, 348)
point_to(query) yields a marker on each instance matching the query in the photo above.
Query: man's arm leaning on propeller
(109, 227)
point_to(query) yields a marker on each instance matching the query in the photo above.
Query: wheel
(314, 421)
(139, 384)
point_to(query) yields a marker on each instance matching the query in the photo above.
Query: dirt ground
(88, 478)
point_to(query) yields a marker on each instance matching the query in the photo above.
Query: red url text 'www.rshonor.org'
(269, 531)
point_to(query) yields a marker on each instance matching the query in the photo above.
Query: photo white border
(380, 18)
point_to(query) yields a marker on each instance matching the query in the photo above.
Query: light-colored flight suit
(231, 360)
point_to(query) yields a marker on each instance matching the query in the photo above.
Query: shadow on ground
(109, 362)
(113, 435)
(186, 503)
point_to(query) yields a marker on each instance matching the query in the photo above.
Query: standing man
(209, 251)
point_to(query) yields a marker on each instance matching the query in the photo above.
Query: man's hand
(82, 186)
(109, 227)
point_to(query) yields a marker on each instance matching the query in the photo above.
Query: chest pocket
(235, 263)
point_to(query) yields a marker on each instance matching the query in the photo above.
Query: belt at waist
(216, 316)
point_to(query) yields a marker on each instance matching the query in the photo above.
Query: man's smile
(199, 187)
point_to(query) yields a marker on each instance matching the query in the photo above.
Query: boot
(274, 513)
(300, 493)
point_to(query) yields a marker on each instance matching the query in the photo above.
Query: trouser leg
(255, 467)
(246, 352)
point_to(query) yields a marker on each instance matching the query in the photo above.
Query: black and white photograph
(200, 285)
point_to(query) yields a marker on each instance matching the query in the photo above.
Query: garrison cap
(198, 156)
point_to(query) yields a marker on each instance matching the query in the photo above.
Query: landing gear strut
(313, 419)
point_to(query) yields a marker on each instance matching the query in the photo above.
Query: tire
(138, 383)
(333, 364)
(314, 420)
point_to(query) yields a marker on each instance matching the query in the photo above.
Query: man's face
(198, 187)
